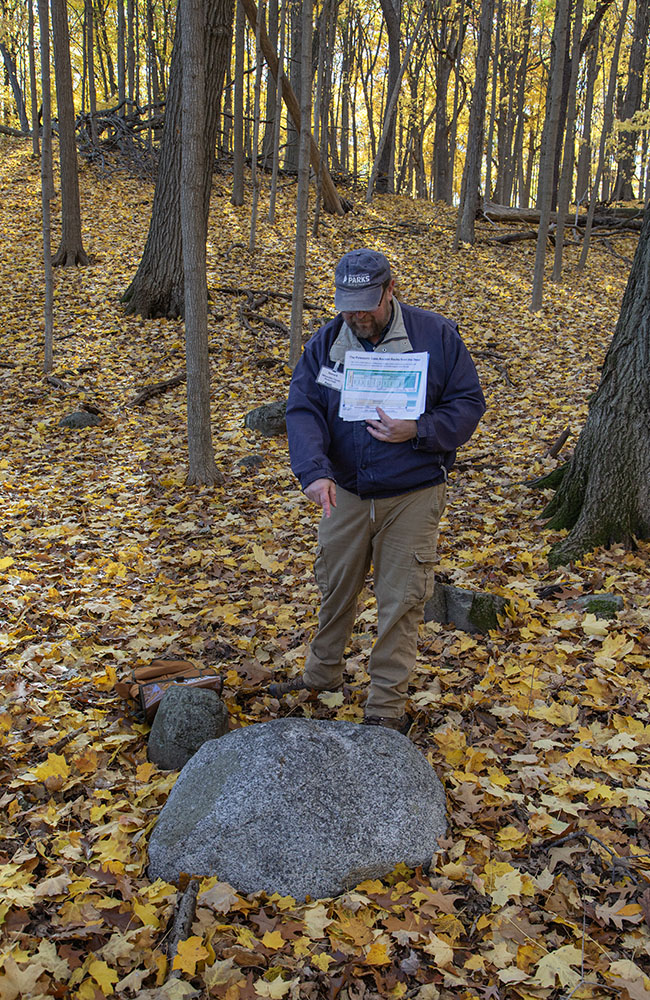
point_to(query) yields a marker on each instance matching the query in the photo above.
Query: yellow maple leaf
(322, 961)
(104, 976)
(189, 953)
(510, 838)
(260, 557)
(56, 766)
(144, 771)
(332, 699)
(276, 989)
(273, 939)
(559, 964)
(594, 626)
(443, 953)
(147, 913)
(377, 954)
(6, 562)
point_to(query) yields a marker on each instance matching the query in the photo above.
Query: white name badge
(332, 379)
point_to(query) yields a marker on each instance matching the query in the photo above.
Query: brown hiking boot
(401, 724)
(278, 688)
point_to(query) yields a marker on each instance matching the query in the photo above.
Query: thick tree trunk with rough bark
(604, 495)
(158, 288)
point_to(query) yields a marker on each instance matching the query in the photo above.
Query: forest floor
(540, 730)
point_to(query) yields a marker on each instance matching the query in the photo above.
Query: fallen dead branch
(157, 389)
(559, 443)
(497, 362)
(264, 294)
(182, 925)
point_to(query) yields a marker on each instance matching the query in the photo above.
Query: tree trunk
(376, 172)
(629, 139)
(331, 198)
(302, 207)
(547, 153)
(33, 99)
(202, 468)
(604, 495)
(564, 188)
(47, 182)
(295, 49)
(469, 195)
(273, 18)
(277, 120)
(121, 62)
(255, 171)
(10, 71)
(130, 50)
(442, 185)
(238, 110)
(71, 249)
(385, 156)
(90, 64)
(158, 288)
(584, 155)
(518, 141)
(608, 120)
(493, 106)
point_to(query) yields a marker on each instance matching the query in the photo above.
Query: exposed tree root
(70, 257)
(153, 300)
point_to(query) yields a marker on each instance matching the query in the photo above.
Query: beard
(365, 329)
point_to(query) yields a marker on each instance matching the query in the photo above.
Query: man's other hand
(322, 492)
(392, 431)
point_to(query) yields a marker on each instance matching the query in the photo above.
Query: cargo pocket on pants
(320, 571)
(420, 580)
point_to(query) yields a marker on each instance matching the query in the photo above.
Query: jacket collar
(396, 340)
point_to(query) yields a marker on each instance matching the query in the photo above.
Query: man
(381, 483)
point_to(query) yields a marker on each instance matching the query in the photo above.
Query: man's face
(367, 324)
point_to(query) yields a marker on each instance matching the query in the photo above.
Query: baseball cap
(359, 277)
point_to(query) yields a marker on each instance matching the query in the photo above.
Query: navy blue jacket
(321, 445)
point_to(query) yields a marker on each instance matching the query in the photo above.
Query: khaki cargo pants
(398, 536)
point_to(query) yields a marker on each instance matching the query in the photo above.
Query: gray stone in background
(80, 418)
(187, 717)
(468, 610)
(300, 807)
(600, 605)
(268, 419)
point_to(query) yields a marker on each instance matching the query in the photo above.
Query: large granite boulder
(300, 807)
(187, 717)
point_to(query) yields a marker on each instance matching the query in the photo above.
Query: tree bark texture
(157, 288)
(469, 196)
(633, 92)
(392, 15)
(238, 110)
(33, 101)
(71, 249)
(202, 468)
(548, 150)
(47, 185)
(604, 496)
(302, 206)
